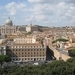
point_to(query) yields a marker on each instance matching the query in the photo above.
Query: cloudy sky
(39, 12)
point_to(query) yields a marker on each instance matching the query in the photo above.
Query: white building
(23, 40)
(8, 28)
(2, 47)
(31, 28)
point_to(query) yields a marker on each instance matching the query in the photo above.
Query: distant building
(8, 28)
(2, 47)
(26, 49)
(31, 28)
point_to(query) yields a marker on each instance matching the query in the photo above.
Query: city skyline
(38, 12)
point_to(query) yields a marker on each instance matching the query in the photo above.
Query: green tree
(29, 33)
(72, 52)
(4, 58)
(60, 40)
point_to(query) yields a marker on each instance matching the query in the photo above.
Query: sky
(38, 12)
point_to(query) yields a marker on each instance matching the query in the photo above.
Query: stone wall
(57, 54)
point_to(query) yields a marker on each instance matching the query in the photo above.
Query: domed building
(8, 22)
(8, 28)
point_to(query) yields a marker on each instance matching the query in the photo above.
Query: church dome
(8, 22)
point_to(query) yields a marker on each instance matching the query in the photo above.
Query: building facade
(8, 28)
(31, 28)
(2, 47)
(26, 51)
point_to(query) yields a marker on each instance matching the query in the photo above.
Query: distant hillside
(42, 26)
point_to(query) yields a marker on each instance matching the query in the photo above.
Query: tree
(29, 33)
(60, 40)
(72, 52)
(4, 58)
(71, 60)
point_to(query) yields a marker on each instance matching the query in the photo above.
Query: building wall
(2, 49)
(57, 54)
(31, 28)
(25, 40)
(8, 30)
(25, 53)
(28, 28)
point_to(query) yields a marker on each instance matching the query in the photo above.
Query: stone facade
(24, 52)
(31, 28)
(8, 28)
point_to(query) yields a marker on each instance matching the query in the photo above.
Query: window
(25, 58)
(13, 59)
(22, 58)
(28, 58)
(31, 49)
(22, 46)
(37, 58)
(28, 53)
(16, 53)
(43, 59)
(16, 59)
(31, 52)
(31, 58)
(17, 46)
(14, 46)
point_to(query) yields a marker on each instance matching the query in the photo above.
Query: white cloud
(43, 10)
(29, 18)
(73, 17)
(13, 7)
(43, 1)
(40, 17)
(67, 14)
(35, 1)
(51, 1)
(54, 21)
(48, 11)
